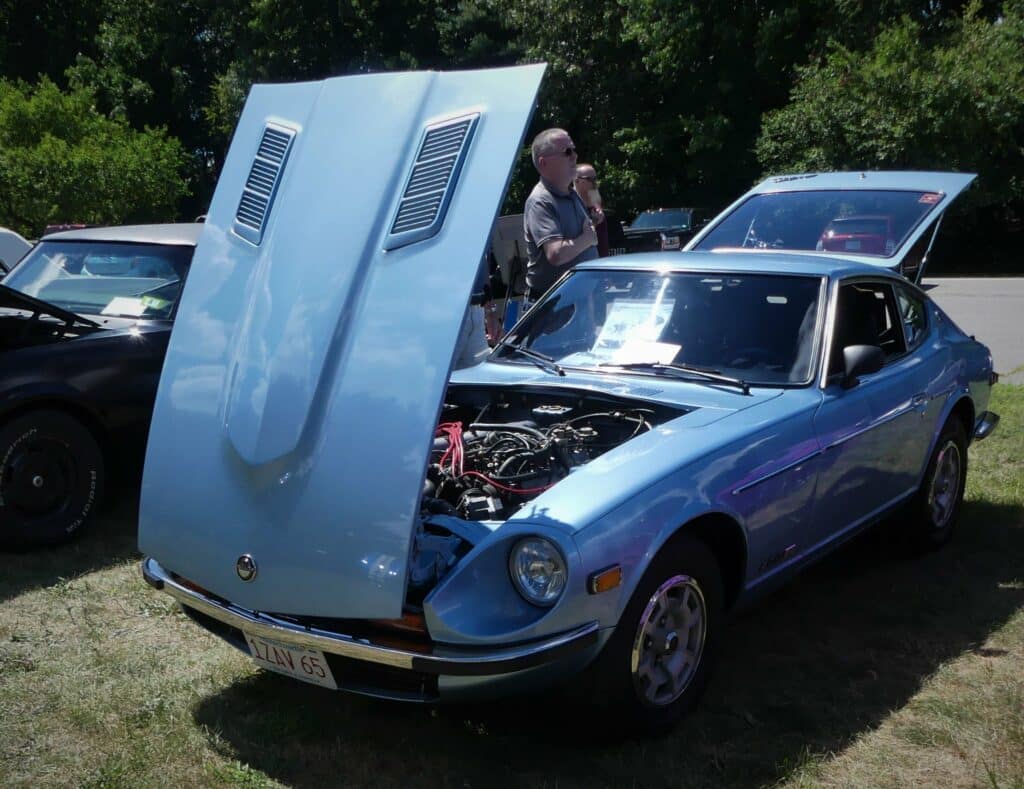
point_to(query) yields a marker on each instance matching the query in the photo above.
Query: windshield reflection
(850, 221)
(757, 327)
(104, 278)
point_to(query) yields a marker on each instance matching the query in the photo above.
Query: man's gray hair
(542, 145)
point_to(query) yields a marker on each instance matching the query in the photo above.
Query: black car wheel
(935, 508)
(657, 663)
(51, 479)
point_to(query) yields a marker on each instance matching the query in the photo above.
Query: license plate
(853, 246)
(309, 665)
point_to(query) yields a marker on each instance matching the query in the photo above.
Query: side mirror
(860, 360)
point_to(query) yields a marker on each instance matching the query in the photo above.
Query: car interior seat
(857, 322)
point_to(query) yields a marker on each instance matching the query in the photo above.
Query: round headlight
(538, 570)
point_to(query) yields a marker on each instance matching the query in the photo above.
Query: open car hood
(316, 333)
(15, 299)
(942, 188)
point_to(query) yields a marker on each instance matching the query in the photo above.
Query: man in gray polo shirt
(559, 231)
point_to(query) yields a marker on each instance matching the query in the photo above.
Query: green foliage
(159, 63)
(952, 103)
(62, 161)
(674, 103)
(43, 37)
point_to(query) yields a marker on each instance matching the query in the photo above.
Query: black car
(84, 322)
(664, 228)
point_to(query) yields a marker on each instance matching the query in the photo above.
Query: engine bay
(497, 449)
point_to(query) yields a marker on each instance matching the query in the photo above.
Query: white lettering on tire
(10, 451)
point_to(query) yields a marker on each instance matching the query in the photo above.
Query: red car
(868, 235)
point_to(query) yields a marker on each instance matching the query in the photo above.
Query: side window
(867, 314)
(913, 316)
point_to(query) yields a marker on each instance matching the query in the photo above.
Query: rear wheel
(658, 662)
(51, 479)
(934, 511)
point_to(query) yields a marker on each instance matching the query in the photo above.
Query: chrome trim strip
(459, 661)
(770, 474)
(985, 425)
(829, 332)
(877, 423)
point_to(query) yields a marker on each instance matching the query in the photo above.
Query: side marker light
(604, 580)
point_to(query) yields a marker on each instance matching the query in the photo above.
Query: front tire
(658, 661)
(51, 479)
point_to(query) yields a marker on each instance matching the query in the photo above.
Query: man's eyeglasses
(570, 151)
(587, 178)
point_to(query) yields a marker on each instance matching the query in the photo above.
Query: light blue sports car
(659, 440)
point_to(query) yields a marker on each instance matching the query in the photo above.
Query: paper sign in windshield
(632, 319)
(645, 352)
(131, 306)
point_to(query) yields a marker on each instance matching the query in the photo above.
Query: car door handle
(920, 401)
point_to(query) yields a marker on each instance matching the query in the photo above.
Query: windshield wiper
(15, 299)
(542, 360)
(703, 373)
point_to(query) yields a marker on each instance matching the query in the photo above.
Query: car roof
(762, 261)
(179, 233)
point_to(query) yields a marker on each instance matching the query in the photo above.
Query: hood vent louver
(430, 185)
(261, 185)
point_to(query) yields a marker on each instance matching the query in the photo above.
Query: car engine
(494, 452)
(486, 471)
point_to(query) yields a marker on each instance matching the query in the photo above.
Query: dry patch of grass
(869, 670)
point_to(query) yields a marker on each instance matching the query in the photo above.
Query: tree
(955, 102)
(43, 37)
(156, 64)
(62, 161)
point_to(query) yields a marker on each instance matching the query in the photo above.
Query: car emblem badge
(246, 567)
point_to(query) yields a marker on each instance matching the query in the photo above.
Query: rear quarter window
(913, 316)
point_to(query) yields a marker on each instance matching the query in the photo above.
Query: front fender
(635, 533)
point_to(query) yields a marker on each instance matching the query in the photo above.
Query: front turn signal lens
(604, 580)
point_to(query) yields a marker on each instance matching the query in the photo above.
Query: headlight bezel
(518, 562)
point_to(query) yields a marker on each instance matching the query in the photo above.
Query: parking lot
(991, 308)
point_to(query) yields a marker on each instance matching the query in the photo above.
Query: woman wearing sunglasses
(586, 188)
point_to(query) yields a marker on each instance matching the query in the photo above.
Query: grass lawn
(870, 670)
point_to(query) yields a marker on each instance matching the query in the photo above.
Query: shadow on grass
(110, 539)
(803, 672)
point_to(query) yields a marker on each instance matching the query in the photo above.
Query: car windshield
(859, 225)
(857, 221)
(104, 278)
(760, 328)
(676, 218)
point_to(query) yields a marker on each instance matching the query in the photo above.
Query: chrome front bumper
(985, 424)
(440, 659)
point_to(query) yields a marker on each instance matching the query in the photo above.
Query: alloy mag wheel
(945, 485)
(669, 641)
